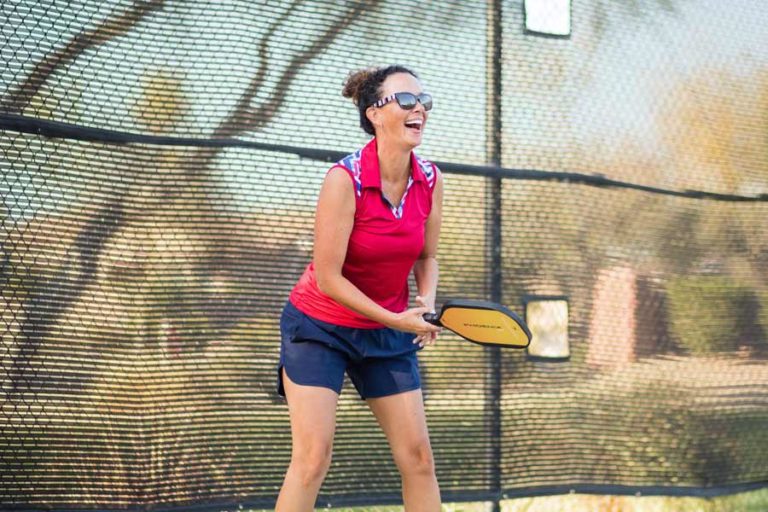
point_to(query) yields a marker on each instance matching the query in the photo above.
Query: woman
(378, 216)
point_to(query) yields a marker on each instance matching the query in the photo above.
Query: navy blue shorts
(380, 362)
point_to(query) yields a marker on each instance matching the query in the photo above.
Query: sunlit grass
(754, 501)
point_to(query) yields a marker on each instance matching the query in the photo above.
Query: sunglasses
(407, 100)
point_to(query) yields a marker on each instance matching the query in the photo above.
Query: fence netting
(142, 278)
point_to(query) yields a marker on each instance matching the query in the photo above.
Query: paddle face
(486, 323)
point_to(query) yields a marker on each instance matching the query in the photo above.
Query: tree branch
(18, 99)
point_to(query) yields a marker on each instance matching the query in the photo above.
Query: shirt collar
(370, 174)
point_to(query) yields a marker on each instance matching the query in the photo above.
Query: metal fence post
(493, 151)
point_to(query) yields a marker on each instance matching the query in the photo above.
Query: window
(548, 17)
(547, 318)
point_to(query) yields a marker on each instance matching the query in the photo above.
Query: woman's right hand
(411, 320)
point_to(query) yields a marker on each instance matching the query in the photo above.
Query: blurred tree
(159, 111)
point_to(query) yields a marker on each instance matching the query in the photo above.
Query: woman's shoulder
(429, 170)
(351, 162)
(343, 178)
(352, 165)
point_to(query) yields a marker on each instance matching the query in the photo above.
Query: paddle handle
(432, 318)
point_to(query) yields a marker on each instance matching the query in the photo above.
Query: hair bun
(354, 83)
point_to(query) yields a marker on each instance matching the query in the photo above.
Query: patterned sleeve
(435, 173)
(351, 163)
(430, 171)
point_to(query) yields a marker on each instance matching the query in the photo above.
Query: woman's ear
(372, 113)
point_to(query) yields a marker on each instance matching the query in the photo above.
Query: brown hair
(363, 87)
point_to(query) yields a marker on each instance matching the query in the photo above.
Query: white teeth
(417, 122)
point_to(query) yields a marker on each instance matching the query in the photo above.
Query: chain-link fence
(160, 165)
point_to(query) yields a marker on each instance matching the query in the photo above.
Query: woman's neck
(394, 162)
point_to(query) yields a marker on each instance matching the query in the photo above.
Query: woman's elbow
(324, 281)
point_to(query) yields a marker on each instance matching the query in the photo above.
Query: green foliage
(706, 313)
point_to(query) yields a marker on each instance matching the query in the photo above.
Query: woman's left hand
(429, 338)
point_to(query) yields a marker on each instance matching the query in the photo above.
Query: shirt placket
(397, 211)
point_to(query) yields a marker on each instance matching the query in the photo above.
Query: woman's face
(390, 120)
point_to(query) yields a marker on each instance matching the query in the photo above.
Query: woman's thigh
(403, 421)
(313, 417)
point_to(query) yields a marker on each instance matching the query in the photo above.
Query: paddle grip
(432, 318)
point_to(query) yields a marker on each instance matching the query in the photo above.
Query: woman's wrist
(393, 320)
(427, 300)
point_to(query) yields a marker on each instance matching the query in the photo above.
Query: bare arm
(334, 219)
(425, 270)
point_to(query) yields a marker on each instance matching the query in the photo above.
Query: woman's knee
(416, 458)
(311, 462)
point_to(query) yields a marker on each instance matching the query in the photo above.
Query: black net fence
(160, 166)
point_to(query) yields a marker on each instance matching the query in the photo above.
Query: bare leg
(313, 422)
(403, 421)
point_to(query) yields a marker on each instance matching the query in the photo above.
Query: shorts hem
(410, 388)
(281, 385)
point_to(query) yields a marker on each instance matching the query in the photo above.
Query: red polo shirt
(385, 241)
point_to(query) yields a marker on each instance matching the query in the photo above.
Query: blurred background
(605, 173)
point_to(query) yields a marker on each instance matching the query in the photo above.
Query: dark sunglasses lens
(426, 100)
(406, 100)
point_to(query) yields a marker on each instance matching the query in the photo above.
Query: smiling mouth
(415, 126)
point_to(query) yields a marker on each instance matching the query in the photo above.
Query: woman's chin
(413, 139)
